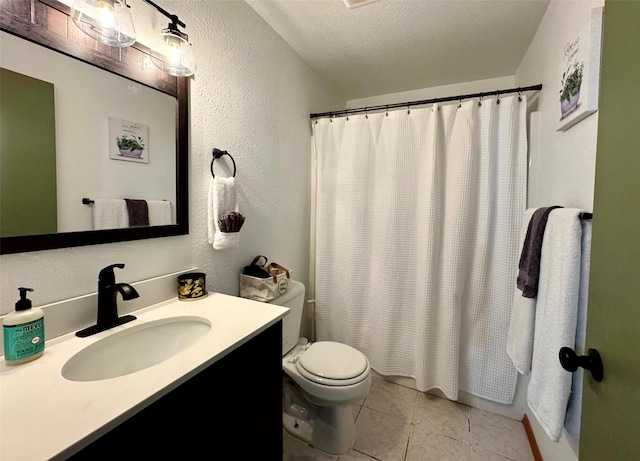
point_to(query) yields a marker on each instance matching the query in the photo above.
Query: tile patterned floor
(395, 423)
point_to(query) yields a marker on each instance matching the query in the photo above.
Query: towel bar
(88, 201)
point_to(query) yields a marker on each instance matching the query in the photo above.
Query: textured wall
(68, 272)
(252, 96)
(422, 94)
(564, 172)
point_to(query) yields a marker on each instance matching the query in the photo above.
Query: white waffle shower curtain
(417, 227)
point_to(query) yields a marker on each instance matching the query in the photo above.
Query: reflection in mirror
(28, 193)
(114, 139)
(87, 156)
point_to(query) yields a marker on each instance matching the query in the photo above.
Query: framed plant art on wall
(128, 140)
(580, 74)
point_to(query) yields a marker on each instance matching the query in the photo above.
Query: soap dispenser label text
(24, 340)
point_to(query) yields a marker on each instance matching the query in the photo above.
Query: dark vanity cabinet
(230, 410)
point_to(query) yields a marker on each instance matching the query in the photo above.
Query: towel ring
(217, 153)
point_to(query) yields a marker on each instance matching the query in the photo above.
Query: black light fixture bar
(173, 17)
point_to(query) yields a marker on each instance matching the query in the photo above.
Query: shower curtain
(417, 223)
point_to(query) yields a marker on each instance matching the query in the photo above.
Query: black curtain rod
(427, 101)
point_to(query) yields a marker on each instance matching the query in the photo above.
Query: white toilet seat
(332, 364)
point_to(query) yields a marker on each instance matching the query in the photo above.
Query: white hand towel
(159, 212)
(572, 420)
(523, 314)
(556, 318)
(109, 214)
(222, 197)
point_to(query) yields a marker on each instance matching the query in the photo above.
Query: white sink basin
(135, 348)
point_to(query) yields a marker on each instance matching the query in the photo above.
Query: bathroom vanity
(219, 398)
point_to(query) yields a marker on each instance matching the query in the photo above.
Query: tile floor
(396, 423)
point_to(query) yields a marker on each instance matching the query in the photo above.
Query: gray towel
(529, 266)
(138, 212)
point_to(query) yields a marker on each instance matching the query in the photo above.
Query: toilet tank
(294, 300)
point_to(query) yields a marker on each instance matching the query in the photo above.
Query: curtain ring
(460, 103)
(480, 101)
(519, 96)
(408, 109)
(497, 98)
(387, 111)
(366, 115)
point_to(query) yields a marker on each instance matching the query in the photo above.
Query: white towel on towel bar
(159, 212)
(556, 318)
(222, 197)
(574, 407)
(523, 315)
(109, 213)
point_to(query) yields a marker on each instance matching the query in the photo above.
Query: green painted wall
(28, 199)
(611, 409)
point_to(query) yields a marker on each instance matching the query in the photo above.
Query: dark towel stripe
(138, 212)
(529, 266)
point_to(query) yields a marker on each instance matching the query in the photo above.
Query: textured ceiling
(399, 45)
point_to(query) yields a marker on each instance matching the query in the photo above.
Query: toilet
(322, 380)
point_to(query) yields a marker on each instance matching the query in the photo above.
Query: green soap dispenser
(23, 331)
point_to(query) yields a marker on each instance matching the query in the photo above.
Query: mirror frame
(48, 23)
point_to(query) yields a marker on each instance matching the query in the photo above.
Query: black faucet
(108, 290)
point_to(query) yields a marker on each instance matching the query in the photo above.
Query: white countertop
(45, 416)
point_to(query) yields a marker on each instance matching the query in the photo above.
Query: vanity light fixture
(171, 51)
(109, 22)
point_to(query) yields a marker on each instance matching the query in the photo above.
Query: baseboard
(532, 439)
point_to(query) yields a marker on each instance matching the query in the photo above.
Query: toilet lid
(328, 360)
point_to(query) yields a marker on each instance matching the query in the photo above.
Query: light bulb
(106, 17)
(175, 55)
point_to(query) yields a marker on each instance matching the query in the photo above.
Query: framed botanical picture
(579, 74)
(128, 140)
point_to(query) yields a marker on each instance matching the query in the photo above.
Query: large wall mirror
(85, 128)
